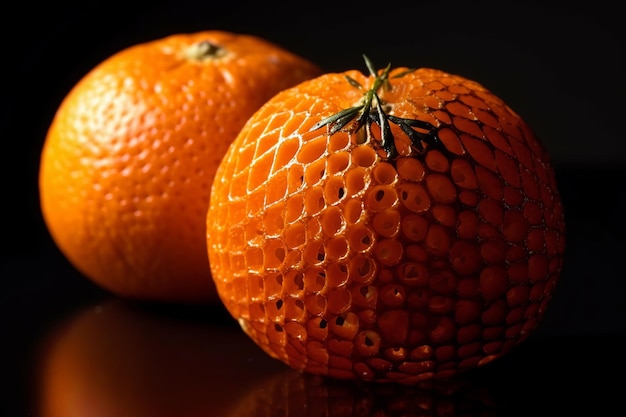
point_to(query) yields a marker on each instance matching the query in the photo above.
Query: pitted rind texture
(128, 160)
(339, 262)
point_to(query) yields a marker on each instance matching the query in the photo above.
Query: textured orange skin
(339, 262)
(129, 158)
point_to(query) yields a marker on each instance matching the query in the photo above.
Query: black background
(561, 68)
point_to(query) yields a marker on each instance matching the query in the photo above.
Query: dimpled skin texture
(129, 158)
(341, 263)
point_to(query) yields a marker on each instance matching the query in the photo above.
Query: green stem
(204, 50)
(372, 111)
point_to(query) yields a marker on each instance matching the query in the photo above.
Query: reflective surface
(118, 358)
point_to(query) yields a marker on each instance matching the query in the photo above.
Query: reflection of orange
(292, 394)
(129, 158)
(122, 360)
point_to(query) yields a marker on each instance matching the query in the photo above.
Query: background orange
(129, 158)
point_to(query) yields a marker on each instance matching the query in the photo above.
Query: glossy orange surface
(129, 158)
(342, 259)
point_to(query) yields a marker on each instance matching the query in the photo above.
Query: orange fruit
(397, 226)
(129, 158)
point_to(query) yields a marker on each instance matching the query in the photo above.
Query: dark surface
(560, 68)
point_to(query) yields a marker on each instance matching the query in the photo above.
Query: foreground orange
(129, 158)
(398, 226)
